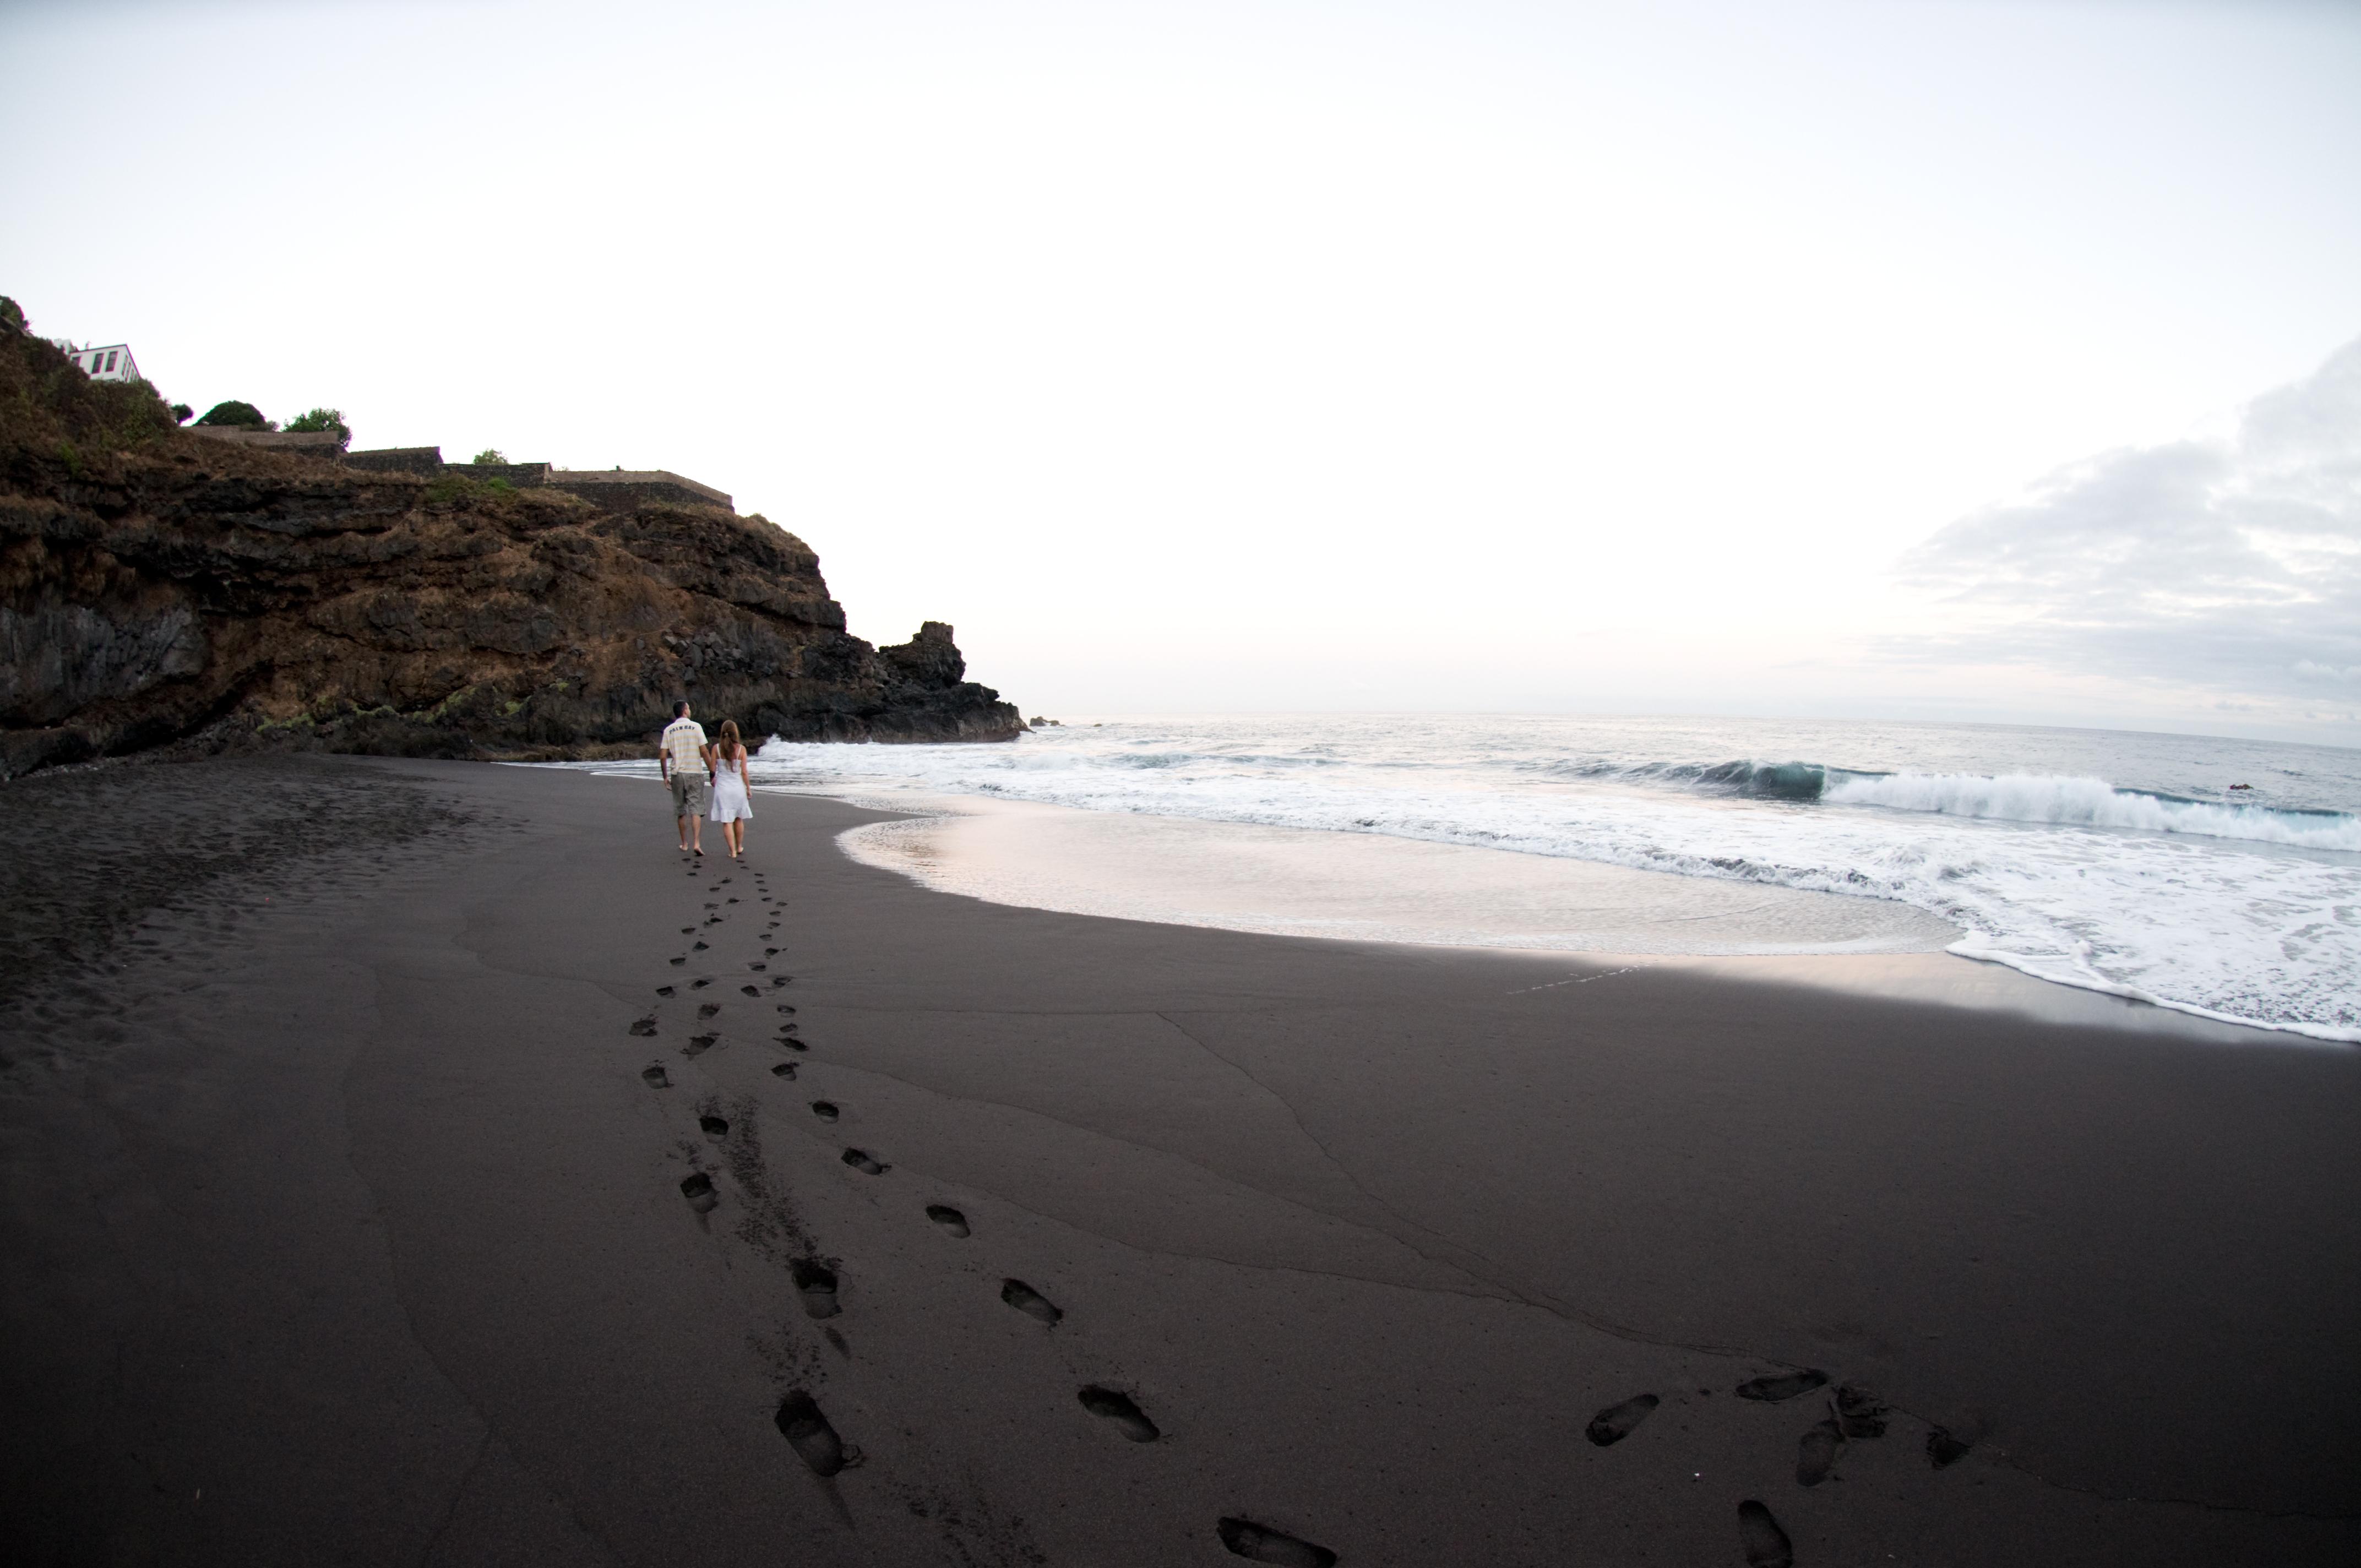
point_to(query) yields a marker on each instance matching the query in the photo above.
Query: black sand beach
(350, 1220)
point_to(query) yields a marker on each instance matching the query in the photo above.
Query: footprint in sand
(1109, 1405)
(815, 1282)
(715, 1128)
(770, 952)
(758, 969)
(1943, 1450)
(808, 1433)
(1817, 1454)
(1765, 1543)
(698, 1190)
(1261, 1543)
(708, 1010)
(1859, 1413)
(751, 990)
(859, 1159)
(664, 990)
(952, 1222)
(646, 1025)
(682, 959)
(696, 946)
(1029, 1301)
(699, 984)
(1616, 1422)
(824, 1110)
(655, 1076)
(700, 1044)
(688, 930)
(1782, 1386)
(784, 1069)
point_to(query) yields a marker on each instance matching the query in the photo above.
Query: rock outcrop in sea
(157, 589)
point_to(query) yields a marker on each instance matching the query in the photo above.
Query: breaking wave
(2003, 797)
(2094, 802)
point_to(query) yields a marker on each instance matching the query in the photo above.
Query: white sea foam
(2232, 910)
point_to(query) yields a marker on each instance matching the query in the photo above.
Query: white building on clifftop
(112, 363)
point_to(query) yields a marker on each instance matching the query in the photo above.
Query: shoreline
(1899, 955)
(356, 1213)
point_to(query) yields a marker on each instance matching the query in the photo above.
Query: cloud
(2227, 564)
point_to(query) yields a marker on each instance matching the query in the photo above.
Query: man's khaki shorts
(688, 794)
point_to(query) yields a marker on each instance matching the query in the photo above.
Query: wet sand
(348, 1220)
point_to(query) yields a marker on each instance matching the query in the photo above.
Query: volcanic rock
(156, 588)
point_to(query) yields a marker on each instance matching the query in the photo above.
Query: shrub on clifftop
(49, 408)
(236, 414)
(322, 420)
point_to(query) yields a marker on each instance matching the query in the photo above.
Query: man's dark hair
(680, 709)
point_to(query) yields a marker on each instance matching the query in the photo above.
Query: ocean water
(2124, 863)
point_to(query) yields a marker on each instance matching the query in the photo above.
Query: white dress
(729, 802)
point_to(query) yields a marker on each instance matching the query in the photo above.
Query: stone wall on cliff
(159, 590)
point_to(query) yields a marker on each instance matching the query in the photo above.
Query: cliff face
(158, 588)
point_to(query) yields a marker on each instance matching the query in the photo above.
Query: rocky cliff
(157, 589)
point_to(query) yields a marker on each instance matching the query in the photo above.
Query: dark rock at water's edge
(160, 590)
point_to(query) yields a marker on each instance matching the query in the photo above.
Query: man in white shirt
(686, 761)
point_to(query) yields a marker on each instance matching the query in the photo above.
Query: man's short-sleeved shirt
(684, 742)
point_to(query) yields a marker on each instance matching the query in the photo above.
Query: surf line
(1578, 980)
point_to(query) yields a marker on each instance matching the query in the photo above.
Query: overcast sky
(1885, 359)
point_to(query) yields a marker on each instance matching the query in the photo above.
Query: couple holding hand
(689, 762)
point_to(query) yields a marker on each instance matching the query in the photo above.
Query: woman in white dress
(732, 805)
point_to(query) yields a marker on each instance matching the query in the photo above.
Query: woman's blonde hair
(729, 733)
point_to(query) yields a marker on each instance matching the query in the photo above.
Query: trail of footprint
(1129, 1419)
(825, 1110)
(1029, 1301)
(656, 1077)
(1782, 1386)
(1261, 1543)
(1765, 1543)
(808, 1433)
(1816, 1455)
(1616, 1422)
(698, 1190)
(952, 1222)
(815, 1282)
(861, 1160)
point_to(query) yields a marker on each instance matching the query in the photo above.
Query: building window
(110, 359)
